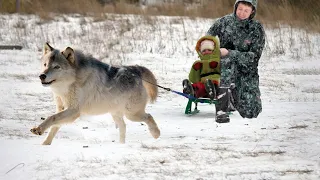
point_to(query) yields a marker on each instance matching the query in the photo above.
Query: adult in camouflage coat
(242, 40)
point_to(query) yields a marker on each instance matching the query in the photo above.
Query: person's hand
(224, 52)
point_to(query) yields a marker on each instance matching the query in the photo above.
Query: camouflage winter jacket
(245, 40)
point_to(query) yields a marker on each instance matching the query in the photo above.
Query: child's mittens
(197, 66)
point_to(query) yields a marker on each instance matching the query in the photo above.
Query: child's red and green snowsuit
(208, 67)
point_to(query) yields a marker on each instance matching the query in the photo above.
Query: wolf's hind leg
(148, 119)
(122, 127)
(53, 131)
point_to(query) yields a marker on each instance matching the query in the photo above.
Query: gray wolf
(82, 85)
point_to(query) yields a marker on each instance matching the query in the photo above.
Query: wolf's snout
(42, 76)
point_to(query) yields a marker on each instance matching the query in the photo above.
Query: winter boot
(210, 88)
(222, 117)
(187, 87)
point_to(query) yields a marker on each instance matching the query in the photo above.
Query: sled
(189, 110)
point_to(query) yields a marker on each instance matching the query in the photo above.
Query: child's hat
(206, 44)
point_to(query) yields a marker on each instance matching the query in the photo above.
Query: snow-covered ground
(282, 143)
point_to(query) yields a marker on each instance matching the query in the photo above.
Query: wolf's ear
(68, 53)
(47, 48)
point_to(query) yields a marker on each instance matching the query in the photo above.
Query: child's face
(206, 51)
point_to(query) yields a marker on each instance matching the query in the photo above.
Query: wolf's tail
(150, 83)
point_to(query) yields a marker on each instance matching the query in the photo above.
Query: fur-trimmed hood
(216, 51)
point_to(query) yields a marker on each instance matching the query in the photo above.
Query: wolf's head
(57, 68)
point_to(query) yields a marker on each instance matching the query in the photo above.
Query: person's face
(243, 11)
(206, 51)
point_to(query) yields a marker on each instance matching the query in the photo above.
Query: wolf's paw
(155, 132)
(37, 131)
(46, 143)
(122, 141)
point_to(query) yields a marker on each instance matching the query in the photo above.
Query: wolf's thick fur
(83, 85)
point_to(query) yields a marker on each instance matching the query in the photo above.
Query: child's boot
(210, 88)
(187, 87)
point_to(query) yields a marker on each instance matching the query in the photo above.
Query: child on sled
(204, 77)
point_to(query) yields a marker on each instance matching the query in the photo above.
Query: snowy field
(283, 143)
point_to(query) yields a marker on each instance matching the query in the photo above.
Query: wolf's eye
(56, 67)
(45, 64)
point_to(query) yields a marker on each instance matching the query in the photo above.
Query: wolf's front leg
(53, 131)
(63, 117)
